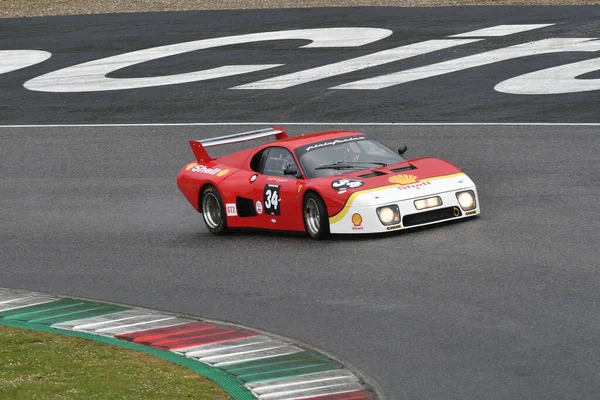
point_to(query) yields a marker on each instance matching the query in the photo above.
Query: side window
(277, 160)
(257, 162)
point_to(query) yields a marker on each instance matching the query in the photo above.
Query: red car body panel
(233, 177)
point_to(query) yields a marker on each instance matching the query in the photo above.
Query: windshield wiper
(337, 165)
(369, 162)
(348, 164)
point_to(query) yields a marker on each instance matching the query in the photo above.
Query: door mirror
(402, 149)
(290, 170)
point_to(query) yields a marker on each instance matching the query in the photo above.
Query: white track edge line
(308, 123)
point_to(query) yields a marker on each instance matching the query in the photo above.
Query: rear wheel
(316, 221)
(213, 210)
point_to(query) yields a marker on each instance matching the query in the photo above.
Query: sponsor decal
(253, 178)
(276, 179)
(231, 209)
(190, 166)
(389, 228)
(333, 142)
(273, 220)
(417, 185)
(259, 208)
(471, 212)
(403, 179)
(203, 169)
(272, 198)
(341, 185)
(357, 222)
(299, 188)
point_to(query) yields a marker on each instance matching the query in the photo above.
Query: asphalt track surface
(502, 306)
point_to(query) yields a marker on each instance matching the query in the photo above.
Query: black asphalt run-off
(467, 95)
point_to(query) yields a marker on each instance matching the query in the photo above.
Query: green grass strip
(233, 386)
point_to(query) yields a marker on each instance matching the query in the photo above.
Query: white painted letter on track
(555, 80)
(12, 60)
(546, 46)
(91, 76)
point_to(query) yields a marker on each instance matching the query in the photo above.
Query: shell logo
(190, 166)
(223, 172)
(403, 179)
(356, 219)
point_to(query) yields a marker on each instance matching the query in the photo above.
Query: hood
(409, 179)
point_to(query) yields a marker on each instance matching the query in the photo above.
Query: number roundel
(272, 198)
(346, 183)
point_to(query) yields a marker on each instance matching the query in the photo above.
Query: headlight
(428, 202)
(466, 200)
(389, 215)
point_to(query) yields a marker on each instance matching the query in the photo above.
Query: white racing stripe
(555, 80)
(12, 60)
(207, 349)
(221, 354)
(356, 64)
(152, 323)
(92, 76)
(545, 46)
(134, 321)
(384, 57)
(312, 392)
(314, 379)
(25, 301)
(501, 30)
(279, 351)
(90, 323)
(6, 297)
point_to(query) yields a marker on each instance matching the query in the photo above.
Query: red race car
(322, 183)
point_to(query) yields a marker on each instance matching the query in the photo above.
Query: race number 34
(272, 199)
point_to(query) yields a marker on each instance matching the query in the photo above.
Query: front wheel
(316, 221)
(213, 211)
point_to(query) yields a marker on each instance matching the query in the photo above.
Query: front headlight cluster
(428, 202)
(466, 200)
(389, 215)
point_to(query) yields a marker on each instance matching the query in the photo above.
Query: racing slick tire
(316, 220)
(213, 210)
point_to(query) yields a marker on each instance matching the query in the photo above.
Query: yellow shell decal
(403, 179)
(356, 219)
(299, 188)
(190, 166)
(223, 172)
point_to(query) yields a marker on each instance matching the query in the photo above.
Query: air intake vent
(372, 174)
(400, 169)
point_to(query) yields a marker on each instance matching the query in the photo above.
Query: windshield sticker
(341, 185)
(333, 142)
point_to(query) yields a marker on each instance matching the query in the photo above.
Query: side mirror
(402, 149)
(290, 171)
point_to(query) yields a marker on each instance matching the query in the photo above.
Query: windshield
(338, 156)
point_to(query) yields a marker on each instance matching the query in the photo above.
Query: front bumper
(364, 219)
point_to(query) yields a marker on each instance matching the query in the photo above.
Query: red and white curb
(270, 367)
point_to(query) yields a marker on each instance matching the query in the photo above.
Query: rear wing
(199, 146)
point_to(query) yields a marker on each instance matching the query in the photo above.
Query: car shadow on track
(249, 233)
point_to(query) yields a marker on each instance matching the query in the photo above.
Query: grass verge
(39, 365)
